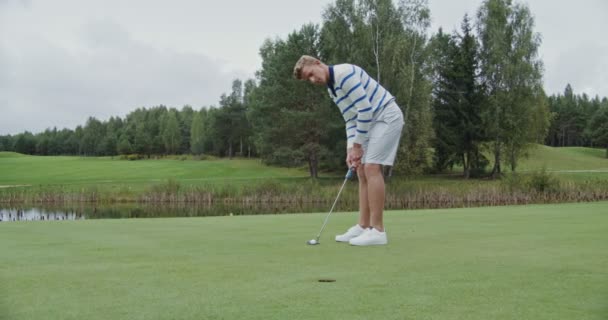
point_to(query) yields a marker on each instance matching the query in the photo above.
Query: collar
(331, 81)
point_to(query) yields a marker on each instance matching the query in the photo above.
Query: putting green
(521, 262)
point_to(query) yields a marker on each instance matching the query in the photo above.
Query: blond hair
(302, 62)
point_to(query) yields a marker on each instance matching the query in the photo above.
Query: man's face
(315, 74)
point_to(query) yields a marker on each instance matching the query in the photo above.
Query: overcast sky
(62, 61)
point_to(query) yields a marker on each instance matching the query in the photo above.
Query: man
(373, 129)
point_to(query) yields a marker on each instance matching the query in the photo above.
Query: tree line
(471, 98)
(222, 131)
(577, 120)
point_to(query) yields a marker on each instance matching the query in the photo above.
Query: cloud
(583, 66)
(107, 74)
(14, 3)
(62, 61)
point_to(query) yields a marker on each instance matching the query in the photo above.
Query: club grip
(349, 174)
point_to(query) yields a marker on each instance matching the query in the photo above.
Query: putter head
(349, 175)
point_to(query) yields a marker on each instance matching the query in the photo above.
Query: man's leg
(375, 194)
(364, 212)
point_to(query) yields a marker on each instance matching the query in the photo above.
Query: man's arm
(361, 102)
(357, 128)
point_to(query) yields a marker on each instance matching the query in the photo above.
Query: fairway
(17, 169)
(565, 159)
(519, 262)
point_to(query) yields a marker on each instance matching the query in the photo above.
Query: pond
(39, 212)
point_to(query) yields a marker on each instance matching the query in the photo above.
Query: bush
(170, 187)
(286, 157)
(543, 182)
(269, 187)
(513, 182)
(133, 157)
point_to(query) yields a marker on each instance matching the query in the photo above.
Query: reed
(538, 187)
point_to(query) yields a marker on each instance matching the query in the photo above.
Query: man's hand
(353, 158)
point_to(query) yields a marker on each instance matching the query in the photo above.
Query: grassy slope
(564, 159)
(18, 169)
(533, 262)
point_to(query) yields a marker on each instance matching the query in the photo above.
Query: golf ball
(313, 241)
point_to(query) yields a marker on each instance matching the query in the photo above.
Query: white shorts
(384, 135)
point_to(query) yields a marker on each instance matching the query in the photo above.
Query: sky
(63, 61)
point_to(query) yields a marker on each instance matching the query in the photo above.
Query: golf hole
(327, 280)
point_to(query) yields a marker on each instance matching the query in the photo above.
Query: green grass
(565, 159)
(35, 170)
(577, 164)
(568, 163)
(105, 179)
(5, 154)
(18, 169)
(522, 262)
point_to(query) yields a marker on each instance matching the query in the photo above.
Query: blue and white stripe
(358, 97)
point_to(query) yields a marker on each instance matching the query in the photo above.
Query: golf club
(349, 174)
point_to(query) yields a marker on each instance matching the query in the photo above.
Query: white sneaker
(370, 237)
(353, 232)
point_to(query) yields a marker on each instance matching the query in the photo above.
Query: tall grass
(539, 187)
(241, 182)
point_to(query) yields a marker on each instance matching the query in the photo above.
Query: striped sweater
(358, 97)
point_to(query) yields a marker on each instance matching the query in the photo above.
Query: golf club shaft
(332, 208)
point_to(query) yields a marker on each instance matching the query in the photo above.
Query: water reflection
(34, 214)
(112, 211)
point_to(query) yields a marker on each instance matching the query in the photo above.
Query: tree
(470, 102)
(512, 75)
(540, 117)
(599, 127)
(389, 42)
(381, 21)
(223, 127)
(25, 143)
(153, 119)
(185, 117)
(93, 133)
(124, 146)
(444, 50)
(109, 143)
(291, 119)
(457, 101)
(142, 139)
(249, 89)
(6, 143)
(236, 118)
(197, 133)
(339, 36)
(571, 116)
(70, 141)
(42, 145)
(171, 135)
(410, 84)
(212, 146)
